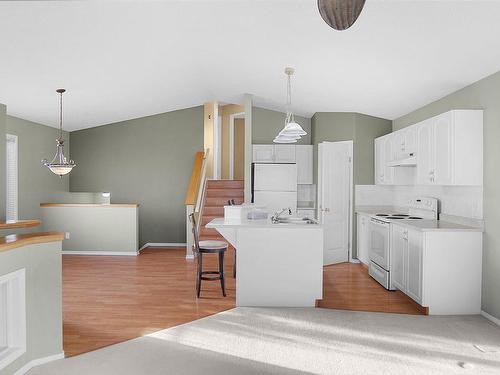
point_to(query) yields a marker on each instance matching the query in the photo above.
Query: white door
(335, 185)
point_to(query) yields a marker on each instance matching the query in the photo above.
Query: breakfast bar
(278, 265)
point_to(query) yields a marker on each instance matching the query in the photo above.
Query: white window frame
(12, 189)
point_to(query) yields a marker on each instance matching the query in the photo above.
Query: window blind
(11, 174)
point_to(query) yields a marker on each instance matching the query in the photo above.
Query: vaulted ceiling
(121, 60)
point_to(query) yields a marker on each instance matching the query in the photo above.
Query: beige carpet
(297, 341)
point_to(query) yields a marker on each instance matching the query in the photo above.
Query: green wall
(266, 125)
(44, 336)
(484, 94)
(362, 130)
(36, 183)
(147, 161)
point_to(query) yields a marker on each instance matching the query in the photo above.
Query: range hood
(410, 161)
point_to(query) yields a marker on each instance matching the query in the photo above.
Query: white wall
(464, 201)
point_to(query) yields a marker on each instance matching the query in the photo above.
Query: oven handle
(379, 222)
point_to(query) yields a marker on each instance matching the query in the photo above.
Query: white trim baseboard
(162, 244)
(37, 362)
(126, 253)
(491, 318)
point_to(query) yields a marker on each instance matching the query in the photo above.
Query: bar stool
(208, 247)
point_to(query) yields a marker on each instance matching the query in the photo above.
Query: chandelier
(59, 164)
(292, 130)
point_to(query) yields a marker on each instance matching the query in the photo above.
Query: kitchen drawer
(379, 274)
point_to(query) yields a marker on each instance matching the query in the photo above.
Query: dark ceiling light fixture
(59, 164)
(340, 14)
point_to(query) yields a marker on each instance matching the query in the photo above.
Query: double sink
(294, 220)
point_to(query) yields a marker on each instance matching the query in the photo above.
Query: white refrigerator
(275, 186)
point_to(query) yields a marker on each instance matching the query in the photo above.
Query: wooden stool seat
(212, 246)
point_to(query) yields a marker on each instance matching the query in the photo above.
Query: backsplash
(464, 201)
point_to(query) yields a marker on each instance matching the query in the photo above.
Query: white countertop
(435, 225)
(266, 223)
(421, 225)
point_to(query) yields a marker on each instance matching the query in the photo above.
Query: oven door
(379, 243)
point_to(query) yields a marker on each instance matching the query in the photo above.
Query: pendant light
(59, 164)
(340, 14)
(292, 130)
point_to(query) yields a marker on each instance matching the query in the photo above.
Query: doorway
(335, 189)
(232, 150)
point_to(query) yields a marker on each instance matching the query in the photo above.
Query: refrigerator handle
(252, 182)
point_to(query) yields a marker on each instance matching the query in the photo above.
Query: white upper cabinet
(284, 153)
(274, 153)
(448, 147)
(425, 149)
(263, 153)
(443, 149)
(304, 159)
(384, 174)
(302, 155)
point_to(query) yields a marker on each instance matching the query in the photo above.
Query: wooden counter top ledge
(13, 241)
(112, 205)
(19, 224)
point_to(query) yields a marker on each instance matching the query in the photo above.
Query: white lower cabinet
(363, 238)
(399, 253)
(439, 269)
(414, 265)
(406, 261)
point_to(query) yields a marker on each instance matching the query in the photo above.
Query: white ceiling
(121, 60)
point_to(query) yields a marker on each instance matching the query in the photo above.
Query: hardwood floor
(108, 299)
(348, 286)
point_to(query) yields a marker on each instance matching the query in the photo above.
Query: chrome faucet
(277, 215)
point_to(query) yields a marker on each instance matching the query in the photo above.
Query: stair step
(220, 201)
(207, 219)
(213, 211)
(229, 193)
(225, 184)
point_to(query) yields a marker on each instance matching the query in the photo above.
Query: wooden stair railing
(195, 196)
(194, 182)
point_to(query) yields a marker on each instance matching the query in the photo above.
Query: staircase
(218, 192)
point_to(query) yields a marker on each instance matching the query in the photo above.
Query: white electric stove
(380, 243)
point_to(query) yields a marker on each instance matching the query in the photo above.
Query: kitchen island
(279, 265)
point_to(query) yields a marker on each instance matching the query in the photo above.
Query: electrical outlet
(66, 235)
